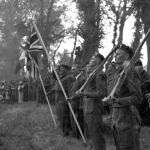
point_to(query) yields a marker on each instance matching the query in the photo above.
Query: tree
(13, 16)
(91, 30)
(75, 34)
(64, 58)
(138, 28)
(144, 6)
(118, 12)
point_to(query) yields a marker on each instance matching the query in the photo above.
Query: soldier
(143, 75)
(92, 105)
(63, 112)
(146, 91)
(124, 104)
(145, 81)
(20, 92)
(77, 102)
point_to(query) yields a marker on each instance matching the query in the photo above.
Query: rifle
(98, 68)
(123, 75)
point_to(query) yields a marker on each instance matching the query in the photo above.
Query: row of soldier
(91, 104)
(17, 91)
(8, 90)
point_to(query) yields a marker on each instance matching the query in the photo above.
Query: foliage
(13, 26)
(138, 30)
(64, 58)
(117, 13)
(91, 29)
(143, 6)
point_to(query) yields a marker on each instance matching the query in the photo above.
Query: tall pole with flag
(34, 47)
(58, 79)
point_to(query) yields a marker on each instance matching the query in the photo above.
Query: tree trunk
(91, 31)
(74, 47)
(116, 22)
(72, 53)
(146, 27)
(115, 30)
(122, 22)
(145, 16)
(46, 31)
(137, 33)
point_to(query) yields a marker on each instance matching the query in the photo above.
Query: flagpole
(44, 90)
(60, 84)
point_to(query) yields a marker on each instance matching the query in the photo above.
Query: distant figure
(7, 95)
(20, 92)
(78, 53)
(62, 109)
(1, 97)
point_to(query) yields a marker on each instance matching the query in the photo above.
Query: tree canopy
(51, 20)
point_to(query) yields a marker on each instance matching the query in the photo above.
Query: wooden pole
(60, 84)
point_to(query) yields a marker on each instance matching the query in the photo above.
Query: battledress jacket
(67, 82)
(129, 96)
(97, 88)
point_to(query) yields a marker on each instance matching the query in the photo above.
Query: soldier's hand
(68, 99)
(79, 93)
(108, 100)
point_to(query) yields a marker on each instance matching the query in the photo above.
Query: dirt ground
(28, 126)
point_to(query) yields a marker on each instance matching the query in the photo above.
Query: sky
(71, 19)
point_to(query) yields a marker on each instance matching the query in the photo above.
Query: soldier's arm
(129, 100)
(70, 82)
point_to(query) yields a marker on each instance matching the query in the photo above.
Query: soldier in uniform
(77, 103)
(143, 75)
(145, 82)
(20, 92)
(92, 105)
(63, 112)
(124, 112)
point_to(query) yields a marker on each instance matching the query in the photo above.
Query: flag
(34, 47)
(33, 41)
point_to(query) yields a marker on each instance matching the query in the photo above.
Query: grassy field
(28, 126)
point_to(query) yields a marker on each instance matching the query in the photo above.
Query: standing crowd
(17, 91)
(8, 91)
(126, 109)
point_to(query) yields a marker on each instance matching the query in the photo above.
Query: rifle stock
(128, 68)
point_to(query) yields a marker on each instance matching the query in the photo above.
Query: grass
(28, 126)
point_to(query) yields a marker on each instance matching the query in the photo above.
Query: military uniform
(93, 110)
(63, 112)
(124, 110)
(77, 106)
(144, 109)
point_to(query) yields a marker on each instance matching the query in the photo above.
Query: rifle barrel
(99, 67)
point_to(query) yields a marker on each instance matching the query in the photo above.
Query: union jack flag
(33, 41)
